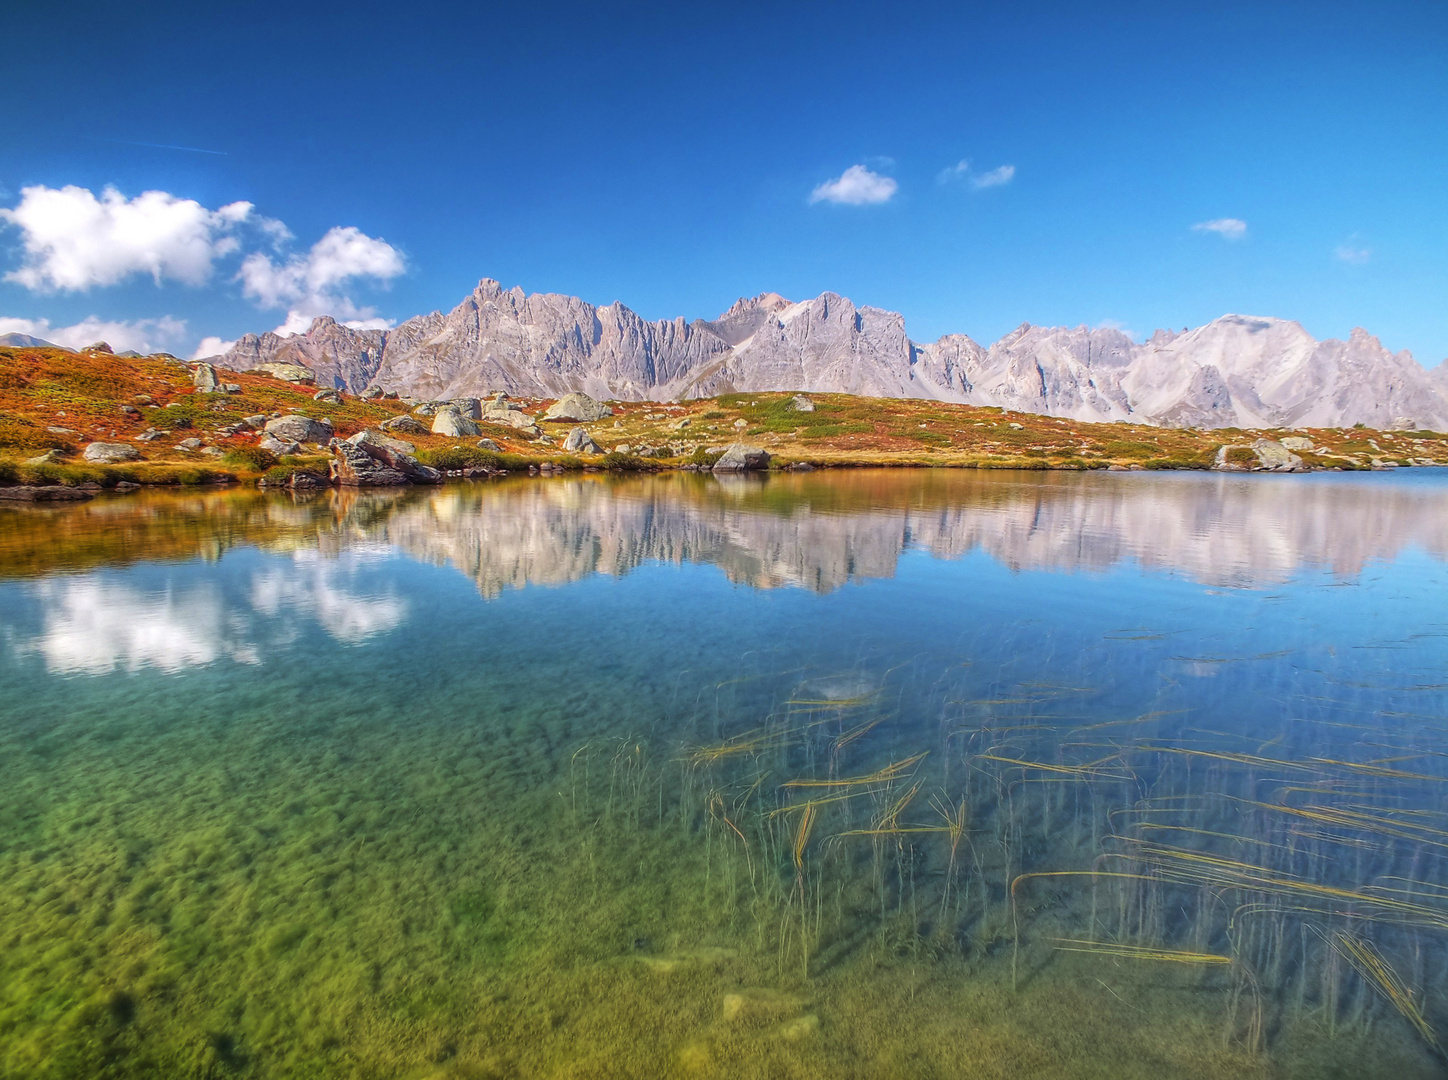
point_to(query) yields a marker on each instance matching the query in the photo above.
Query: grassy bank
(55, 400)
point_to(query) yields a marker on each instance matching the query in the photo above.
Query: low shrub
(613, 461)
(252, 458)
(449, 458)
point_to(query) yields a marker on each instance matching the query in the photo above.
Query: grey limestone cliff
(1237, 371)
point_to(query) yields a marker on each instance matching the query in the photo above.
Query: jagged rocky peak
(1236, 371)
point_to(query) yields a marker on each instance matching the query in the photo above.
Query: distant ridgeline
(1237, 371)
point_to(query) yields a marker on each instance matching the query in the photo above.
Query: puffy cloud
(1349, 254)
(309, 285)
(74, 240)
(211, 346)
(995, 178)
(143, 335)
(857, 186)
(961, 171)
(1229, 227)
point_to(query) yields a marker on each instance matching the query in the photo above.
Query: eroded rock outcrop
(1237, 371)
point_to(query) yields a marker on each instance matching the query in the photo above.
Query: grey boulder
(579, 441)
(740, 457)
(205, 379)
(330, 396)
(279, 447)
(404, 425)
(300, 429)
(577, 407)
(103, 453)
(453, 424)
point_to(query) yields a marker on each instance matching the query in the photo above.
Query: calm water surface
(857, 774)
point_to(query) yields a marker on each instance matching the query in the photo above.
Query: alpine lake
(908, 773)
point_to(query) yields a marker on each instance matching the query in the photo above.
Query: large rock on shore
(352, 466)
(105, 453)
(740, 457)
(1272, 455)
(395, 454)
(579, 408)
(302, 429)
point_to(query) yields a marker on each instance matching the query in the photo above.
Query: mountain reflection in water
(817, 532)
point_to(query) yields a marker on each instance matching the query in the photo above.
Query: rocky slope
(1237, 371)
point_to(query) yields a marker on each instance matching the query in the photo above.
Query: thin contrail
(167, 146)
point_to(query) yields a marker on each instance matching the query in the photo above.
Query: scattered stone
(279, 447)
(740, 457)
(99, 346)
(372, 393)
(330, 396)
(1013, 427)
(682, 424)
(1404, 423)
(143, 399)
(151, 435)
(301, 429)
(130, 410)
(233, 388)
(101, 453)
(470, 407)
(255, 423)
(50, 457)
(63, 431)
(741, 424)
(1297, 442)
(623, 448)
(425, 408)
(800, 466)
(488, 444)
(453, 424)
(189, 444)
(213, 451)
(124, 486)
(404, 425)
(579, 408)
(800, 403)
(579, 441)
(292, 373)
(513, 417)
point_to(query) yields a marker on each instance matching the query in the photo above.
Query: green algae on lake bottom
(281, 815)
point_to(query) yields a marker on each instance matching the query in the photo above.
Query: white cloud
(308, 285)
(961, 171)
(995, 178)
(1229, 227)
(74, 240)
(142, 335)
(211, 346)
(857, 186)
(1349, 254)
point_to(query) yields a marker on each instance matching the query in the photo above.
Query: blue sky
(678, 157)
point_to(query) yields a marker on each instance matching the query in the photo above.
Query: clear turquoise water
(591, 777)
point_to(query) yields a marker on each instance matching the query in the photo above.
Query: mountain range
(1236, 371)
